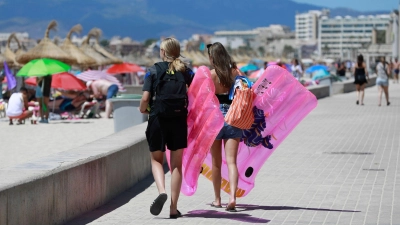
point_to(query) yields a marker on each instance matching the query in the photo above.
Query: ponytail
(177, 65)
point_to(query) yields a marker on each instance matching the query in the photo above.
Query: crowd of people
(40, 100)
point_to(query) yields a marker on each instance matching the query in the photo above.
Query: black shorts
(166, 131)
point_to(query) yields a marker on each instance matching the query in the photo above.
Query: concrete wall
(346, 86)
(133, 89)
(320, 91)
(59, 187)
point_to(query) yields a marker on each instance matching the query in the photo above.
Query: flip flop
(230, 209)
(158, 204)
(215, 206)
(179, 214)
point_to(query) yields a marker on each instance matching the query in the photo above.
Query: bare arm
(144, 102)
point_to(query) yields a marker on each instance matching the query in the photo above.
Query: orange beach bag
(240, 113)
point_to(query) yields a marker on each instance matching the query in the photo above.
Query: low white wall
(59, 187)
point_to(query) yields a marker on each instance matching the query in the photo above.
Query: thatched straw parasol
(81, 58)
(46, 49)
(101, 50)
(9, 55)
(88, 50)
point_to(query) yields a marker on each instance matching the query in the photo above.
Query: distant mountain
(142, 19)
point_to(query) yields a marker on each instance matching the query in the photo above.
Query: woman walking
(382, 81)
(360, 78)
(169, 75)
(223, 76)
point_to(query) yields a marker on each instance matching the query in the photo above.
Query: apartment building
(343, 37)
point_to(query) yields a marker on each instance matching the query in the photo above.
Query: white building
(343, 37)
(306, 25)
(258, 37)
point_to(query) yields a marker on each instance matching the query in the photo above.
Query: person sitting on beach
(68, 103)
(102, 88)
(18, 105)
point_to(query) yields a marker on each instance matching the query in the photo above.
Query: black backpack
(170, 92)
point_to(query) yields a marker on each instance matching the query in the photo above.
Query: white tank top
(15, 105)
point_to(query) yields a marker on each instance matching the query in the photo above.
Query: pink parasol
(91, 75)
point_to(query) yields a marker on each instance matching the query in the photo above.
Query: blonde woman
(165, 100)
(223, 76)
(382, 81)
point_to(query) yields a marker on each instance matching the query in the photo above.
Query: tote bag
(240, 113)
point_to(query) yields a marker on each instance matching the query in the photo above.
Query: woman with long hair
(223, 76)
(360, 78)
(165, 131)
(382, 81)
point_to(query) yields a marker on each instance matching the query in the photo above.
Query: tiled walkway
(339, 166)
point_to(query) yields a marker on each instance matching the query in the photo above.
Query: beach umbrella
(88, 50)
(97, 33)
(256, 74)
(81, 58)
(248, 67)
(124, 68)
(320, 74)
(42, 67)
(63, 81)
(316, 68)
(91, 75)
(9, 55)
(46, 49)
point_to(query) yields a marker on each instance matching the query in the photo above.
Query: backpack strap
(161, 68)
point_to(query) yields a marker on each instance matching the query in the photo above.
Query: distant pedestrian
(341, 70)
(396, 68)
(45, 86)
(297, 70)
(165, 99)
(360, 78)
(382, 81)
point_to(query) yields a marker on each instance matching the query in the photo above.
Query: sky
(359, 5)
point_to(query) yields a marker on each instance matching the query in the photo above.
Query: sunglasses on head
(209, 45)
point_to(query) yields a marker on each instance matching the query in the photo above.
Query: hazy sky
(360, 5)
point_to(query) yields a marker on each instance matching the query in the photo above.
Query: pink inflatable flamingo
(281, 103)
(205, 120)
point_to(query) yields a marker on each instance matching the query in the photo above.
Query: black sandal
(179, 214)
(158, 204)
(215, 206)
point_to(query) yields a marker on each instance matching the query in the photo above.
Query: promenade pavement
(23, 143)
(339, 166)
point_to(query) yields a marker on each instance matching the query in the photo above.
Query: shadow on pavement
(115, 203)
(246, 207)
(212, 214)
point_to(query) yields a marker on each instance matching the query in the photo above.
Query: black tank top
(359, 71)
(223, 99)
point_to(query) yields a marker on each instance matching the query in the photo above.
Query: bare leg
(157, 159)
(216, 150)
(379, 95)
(362, 88)
(46, 103)
(176, 179)
(386, 91)
(231, 150)
(40, 100)
(108, 108)
(358, 93)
